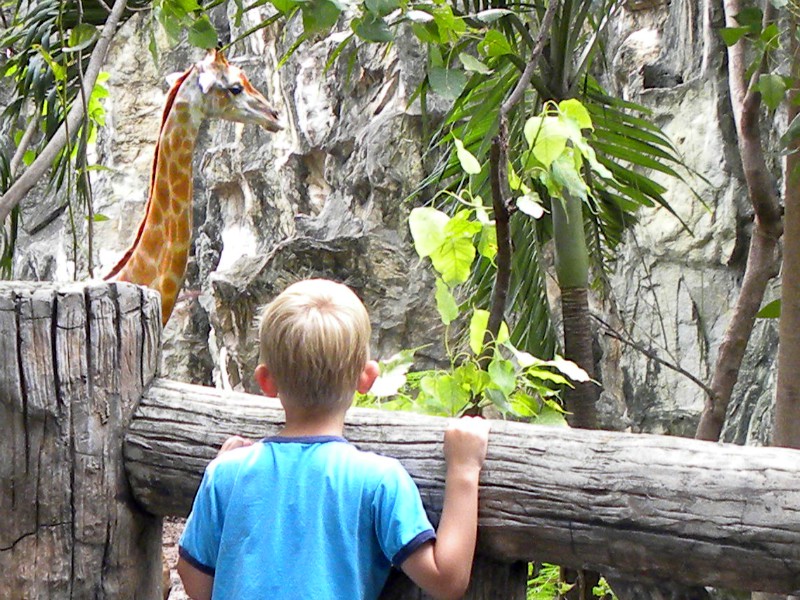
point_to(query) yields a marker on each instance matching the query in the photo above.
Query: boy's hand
(233, 442)
(465, 442)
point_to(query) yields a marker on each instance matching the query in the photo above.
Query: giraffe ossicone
(212, 88)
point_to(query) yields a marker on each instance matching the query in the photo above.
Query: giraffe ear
(206, 81)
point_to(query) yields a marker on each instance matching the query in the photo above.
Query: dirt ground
(172, 532)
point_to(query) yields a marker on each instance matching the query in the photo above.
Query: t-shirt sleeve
(199, 543)
(400, 520)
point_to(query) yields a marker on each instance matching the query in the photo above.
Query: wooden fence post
(74, 360)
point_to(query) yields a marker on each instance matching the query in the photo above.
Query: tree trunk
(787, 396)
(581, 400)
(572, 269)
(645, 507)
(762, 258)
(73, 363)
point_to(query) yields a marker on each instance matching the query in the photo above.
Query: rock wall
(676, 282)
(325, 198)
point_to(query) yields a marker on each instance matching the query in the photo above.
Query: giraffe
(212, 88)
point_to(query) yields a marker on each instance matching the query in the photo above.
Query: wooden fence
(95, 449)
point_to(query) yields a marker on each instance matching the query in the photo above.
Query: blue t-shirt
(301, 518)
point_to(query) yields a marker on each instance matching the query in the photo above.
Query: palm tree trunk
(572, 269)
(582, 399)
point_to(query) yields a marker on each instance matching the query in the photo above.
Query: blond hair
(315, 343)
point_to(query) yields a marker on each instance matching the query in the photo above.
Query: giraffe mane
(173, 92)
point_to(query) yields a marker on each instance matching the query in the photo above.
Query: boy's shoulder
(338, 454)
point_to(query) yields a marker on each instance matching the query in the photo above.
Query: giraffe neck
(160, 252)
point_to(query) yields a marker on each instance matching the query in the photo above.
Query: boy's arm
(196, 583)
(442, 568)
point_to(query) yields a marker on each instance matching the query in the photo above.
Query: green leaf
(82, 36)
(772, 88)
(461, 226)
(285, 6)
(731, 35)
(499, 399)
(372, 29)
(381, 8)
(451, 27)
(470, 377)
(503, 375)
(202, 33)
(453, 259)
(771, 36)
(771, 310)
(59, 72)
(451, 396)
(188, 5)
(750, 16)
(427, 228)
(573, 109)
(792, 132)
(319, 16)
(473, 64)
(468, 161)
(550, 417)
(547, 136)
(477, 329)
(99, 218)
(447, 82)
(565, 173)
(494, 44)
(445, 302)
(530, 204)
(487, 243)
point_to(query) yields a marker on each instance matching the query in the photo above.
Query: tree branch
(499, 183)
(75, 117)
(762, 257)
(24, 143)
(525, 78)
(502, 278)
(612, 333)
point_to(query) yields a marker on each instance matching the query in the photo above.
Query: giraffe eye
(236, 89)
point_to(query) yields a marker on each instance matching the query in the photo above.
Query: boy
(304, 515)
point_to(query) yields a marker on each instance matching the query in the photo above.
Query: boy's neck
(302, 423)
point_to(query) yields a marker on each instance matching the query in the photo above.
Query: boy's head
(314, 343)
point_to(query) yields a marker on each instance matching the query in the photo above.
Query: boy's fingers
(233, 442)
(476, 425)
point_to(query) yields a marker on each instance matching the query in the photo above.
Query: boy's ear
(368, 376)
(265, 381)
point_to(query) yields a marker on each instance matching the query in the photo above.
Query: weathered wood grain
(641, 506)
(73, 364)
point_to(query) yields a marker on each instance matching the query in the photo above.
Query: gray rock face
(325, 197)
(676, 283)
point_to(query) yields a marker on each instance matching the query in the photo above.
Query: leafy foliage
(544, 583)
(513, 381)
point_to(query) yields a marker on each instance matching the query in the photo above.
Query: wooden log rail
(643, 507)
(93, 449)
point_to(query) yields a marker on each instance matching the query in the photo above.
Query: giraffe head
(227, 94)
